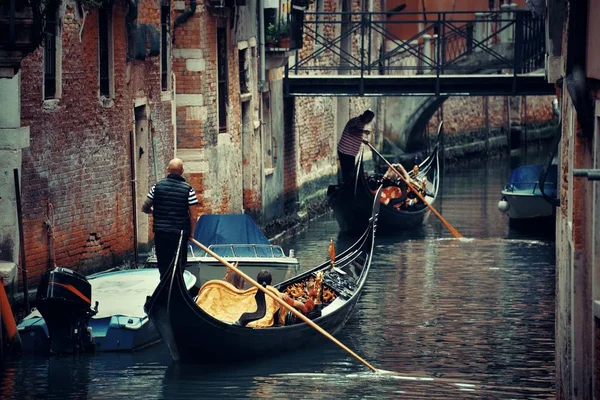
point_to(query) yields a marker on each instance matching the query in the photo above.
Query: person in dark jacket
(172, 203)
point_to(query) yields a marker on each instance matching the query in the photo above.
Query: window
(50, 54)
(222, 77)
(105, 51)
(165, 25)
(243, 70)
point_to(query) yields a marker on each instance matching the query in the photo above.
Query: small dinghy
(103, 312)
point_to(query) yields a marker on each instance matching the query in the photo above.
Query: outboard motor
(64, 299)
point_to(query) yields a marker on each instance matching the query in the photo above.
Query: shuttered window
(222, 77)
(165, 25)
(104, 50)
(50, 54)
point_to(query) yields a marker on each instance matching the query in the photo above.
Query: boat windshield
(240, 250)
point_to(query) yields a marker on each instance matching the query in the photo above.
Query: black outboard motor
(64, 300)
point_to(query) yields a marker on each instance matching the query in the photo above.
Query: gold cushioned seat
(225, 302)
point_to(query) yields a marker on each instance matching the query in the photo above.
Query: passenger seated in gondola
(396, 192)
(265, 278)
(227, 303)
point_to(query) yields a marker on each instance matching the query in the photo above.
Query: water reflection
(442, 318)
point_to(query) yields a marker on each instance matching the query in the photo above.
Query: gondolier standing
(351, 140)
(171, 202)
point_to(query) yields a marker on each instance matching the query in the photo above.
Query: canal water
(439, 317)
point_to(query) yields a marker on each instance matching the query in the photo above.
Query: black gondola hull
(351, 217)
(198, 338)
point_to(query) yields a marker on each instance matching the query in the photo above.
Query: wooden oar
(452, 230)
(282, 303)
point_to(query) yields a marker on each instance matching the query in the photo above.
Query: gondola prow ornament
(332, 251)
(332, 257)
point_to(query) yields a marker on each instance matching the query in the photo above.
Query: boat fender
(503, 205)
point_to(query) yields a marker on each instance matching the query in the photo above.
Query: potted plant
(271, 35)
(284, 35)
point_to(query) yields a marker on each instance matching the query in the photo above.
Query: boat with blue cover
(117, 321)
(522, 196)
(238, 239)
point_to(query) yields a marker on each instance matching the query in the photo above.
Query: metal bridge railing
(368, 43)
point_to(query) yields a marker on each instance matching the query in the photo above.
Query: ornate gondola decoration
(193, 335)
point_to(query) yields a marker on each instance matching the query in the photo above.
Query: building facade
(573, 65)
(100, 117)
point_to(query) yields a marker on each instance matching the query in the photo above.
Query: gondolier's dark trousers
(165, 245)
(347, 163)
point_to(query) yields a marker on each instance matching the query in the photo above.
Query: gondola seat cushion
(223, 301)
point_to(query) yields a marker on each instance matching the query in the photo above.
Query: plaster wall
(13, 139)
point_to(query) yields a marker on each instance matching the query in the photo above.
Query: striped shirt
(352, 137)
(192, 199)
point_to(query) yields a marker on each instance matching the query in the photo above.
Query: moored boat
(193, 333)
(522, 198)
(117, 322)
(238, 239)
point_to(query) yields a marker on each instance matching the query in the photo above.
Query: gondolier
(351, 140)
(171, 202)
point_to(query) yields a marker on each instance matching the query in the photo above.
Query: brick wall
(214, 159)
(76, 174)
(466, 114)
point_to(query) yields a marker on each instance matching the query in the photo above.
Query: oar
(282, 303)
(454, 232)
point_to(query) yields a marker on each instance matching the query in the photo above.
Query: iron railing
(441, 43)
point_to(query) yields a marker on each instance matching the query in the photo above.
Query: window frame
(106, 83)
(222, 78)
(165, 46)
(52, 56)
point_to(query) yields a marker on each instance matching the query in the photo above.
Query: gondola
(194, 335)
(349, 199)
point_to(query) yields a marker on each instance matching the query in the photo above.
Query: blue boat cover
(227, 229)
(527, 178)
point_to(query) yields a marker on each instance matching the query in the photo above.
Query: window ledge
(245, 97)
(106, 102)
(269, 171)
(166, 95)
(50, 104)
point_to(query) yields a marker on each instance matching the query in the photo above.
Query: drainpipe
(261, 88)
(261, 41)
(186, 14)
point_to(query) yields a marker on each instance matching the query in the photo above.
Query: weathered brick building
(98, 117)
(574, 66)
